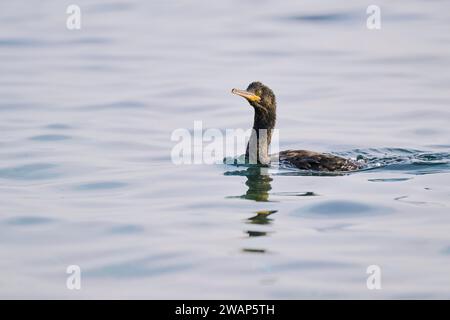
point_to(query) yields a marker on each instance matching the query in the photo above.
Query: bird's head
(262, 99)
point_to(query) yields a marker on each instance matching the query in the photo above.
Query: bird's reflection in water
(262, 217)
(258, 183)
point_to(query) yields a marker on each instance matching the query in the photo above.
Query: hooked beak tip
(247, 95)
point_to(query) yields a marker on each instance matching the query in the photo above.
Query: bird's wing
(310, 160)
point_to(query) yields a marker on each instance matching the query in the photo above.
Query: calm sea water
(86, 176)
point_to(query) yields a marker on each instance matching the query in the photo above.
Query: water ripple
(15, 43)
(50, 137)
(320, 18)
(28, 220)
(30, 172)
(340, 208)
(105, 185)
(126, 229)
(146, 267)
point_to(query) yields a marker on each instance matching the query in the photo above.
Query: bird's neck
(258, 145)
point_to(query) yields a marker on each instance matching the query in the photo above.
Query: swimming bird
(263, 101)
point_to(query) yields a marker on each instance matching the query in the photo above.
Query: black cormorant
(262, 99)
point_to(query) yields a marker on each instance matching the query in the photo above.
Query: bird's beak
(247, 95)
